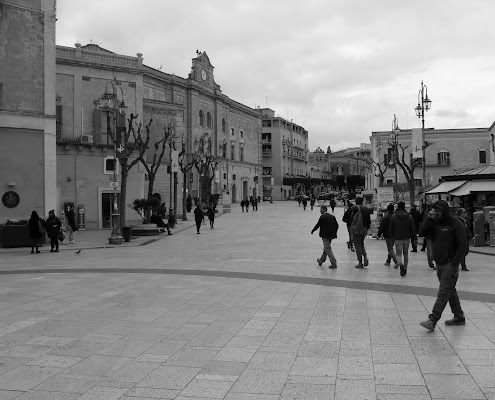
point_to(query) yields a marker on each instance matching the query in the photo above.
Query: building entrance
(106, 209)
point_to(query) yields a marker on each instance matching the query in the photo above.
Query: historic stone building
(27, 108)
(285, 154)
(203, 123)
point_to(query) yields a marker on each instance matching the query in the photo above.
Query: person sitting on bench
(156, 219)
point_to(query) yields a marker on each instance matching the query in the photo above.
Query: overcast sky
(339, 68)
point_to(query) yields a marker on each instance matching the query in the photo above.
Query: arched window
(209, 120)
(443, 157)
(208, 149)
(224, 149)
(201, 146)
(201, 118)
(224, 125)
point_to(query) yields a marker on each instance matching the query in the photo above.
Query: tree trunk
(151, 184)
(123, 195)
(184, 216)
(412, 194)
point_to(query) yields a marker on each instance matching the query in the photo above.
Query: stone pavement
(239, 312)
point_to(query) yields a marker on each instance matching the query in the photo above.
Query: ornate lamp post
(109, 104)
(394, 136)
(424, 104)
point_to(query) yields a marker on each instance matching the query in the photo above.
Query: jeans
(327, 251)
(54, 243)
(429, 251)
(447, 275)
(402, 248)
(350, 235)
(359, 245)
(390, 248)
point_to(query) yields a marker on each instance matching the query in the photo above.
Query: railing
(437, 164)
(74, 135)
(267, 153)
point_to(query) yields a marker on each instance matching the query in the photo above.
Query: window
(241, 153)
(232, 152)
(482, 156)
(224, 150)
(224, 125)
(209, 120)
(201, 118)
(232, 132)
(443, 157)
(109, 164)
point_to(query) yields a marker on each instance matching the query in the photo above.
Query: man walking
(402, 231)
(198, 217)
(462, 215)
(416, 216)
(347, 218)
(384, 230)
(360, 224)
(449, 246)
(328, 226)
(332, 204)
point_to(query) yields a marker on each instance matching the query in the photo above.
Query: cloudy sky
(339, 68)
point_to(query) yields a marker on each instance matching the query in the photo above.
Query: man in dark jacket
(358, 237)
(347, 218)
(199, 216)
(449, 247)
(328, 226)
(384, 230)
(417, 218)
(402, 231)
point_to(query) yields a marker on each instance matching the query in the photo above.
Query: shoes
(170, 233)
(428, 324)
(349, 245)
(387, 264)
(55, 251)
(423, 250)
(396, 265)
(414, 250)
(72, 242)
(455, 321)
(352, 249)
(32, 251)
(431, 266)
(52, 250)
(333, 266)
(197, 233)
(318, 261)
(403, 270)
(366, 262)
(465, 268)
(38, 252)
(360, 266)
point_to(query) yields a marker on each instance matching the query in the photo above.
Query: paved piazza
(240, 312)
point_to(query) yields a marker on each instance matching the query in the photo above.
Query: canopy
(488, 169)
(473, 186)
(446, 187)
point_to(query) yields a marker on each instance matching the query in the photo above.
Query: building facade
(27, 108)
(349, 166)
(285, 154)
(449, 152)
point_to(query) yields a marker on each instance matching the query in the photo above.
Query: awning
(474, 186)
(446, 187)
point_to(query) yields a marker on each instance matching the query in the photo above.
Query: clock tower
(202, 70)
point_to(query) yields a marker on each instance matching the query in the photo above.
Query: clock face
(203, 74)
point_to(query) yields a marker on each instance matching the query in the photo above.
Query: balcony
(67, 134)
(267, 153)
(437, 164)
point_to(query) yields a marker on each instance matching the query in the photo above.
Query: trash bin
(127, 233)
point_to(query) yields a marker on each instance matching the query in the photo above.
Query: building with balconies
(285, 154)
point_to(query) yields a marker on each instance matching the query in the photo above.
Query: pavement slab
(225, 316)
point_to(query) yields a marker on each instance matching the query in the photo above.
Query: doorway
(234, 190)
(245, 193)
(106, 209)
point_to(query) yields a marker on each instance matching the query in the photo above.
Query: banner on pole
(175, 161)
(417, 143)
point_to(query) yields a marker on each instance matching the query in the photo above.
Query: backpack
(357, 225)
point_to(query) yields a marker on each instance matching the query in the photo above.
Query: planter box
(16, 236)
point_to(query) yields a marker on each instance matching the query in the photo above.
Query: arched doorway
(245, 193)
(234, 194)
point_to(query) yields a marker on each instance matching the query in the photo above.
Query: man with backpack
(360, 224)
(384, 230)
(347, 218)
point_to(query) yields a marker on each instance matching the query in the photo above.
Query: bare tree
(185, 166)
(407, 168)
(205, 163)
(376, 167)
(140, 144)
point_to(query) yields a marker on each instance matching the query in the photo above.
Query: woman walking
(71, 222)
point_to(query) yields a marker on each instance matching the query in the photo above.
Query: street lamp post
(394, 135)
(109, 104)
(424, 104)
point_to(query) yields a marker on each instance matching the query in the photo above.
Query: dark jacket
(385, 225)
(211, 213)
(448, 235)
(402, 226)
(71, 219)
(416, 215)
(365, 212)
(156, 219)
(332, 203)
(328, 226)
(198, 214)
(53, 226)
(347, 218)
(35, 227)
